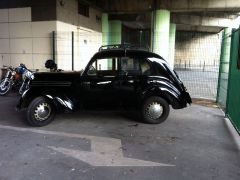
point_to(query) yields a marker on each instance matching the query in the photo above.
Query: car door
(98, 84)
(130, 81)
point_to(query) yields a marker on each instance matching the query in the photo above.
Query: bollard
(185, 65)
(204, 66)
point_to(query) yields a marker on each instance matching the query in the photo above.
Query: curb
(233, 132)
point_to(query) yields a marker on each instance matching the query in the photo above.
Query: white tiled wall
(42, 45)
(4, 30)
(4, 46)
(4, 15)
(20, 30)
(21, 46)
(24, 41)
(43, 28)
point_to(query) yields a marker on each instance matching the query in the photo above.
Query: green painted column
(161, 25)
(105, 29)
(115, 32)
(224, 67)
(172, 36)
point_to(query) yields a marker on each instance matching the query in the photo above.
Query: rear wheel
(5, 86)
(40, 112)
(155, 110)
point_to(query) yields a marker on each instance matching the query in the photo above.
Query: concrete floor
(193, 143)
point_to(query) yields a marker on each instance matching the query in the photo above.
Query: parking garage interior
(200, 41)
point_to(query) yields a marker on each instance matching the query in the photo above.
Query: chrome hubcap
(42, 112)
(154, 110)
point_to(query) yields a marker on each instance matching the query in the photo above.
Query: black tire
(155, 110)
(37, 116)
(4, 90)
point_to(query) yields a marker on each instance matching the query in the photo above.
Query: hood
(54, 78)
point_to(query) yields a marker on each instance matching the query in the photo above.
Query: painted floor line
(104, 151)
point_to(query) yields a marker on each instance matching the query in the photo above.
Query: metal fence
(197, 62)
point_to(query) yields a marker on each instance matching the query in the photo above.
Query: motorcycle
(17, 78)
(27, 76)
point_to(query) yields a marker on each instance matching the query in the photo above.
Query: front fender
(61, 102)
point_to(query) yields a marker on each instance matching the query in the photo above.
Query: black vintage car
(116, 76)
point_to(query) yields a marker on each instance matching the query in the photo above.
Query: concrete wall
(87, 35)
(86, 44)
(68, 13)
(24, 41)
(197, 48)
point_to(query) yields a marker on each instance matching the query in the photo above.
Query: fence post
(72, 51)
(53, 45)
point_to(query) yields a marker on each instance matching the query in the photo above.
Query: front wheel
(155, 110)
(5, 86)
(40, 112)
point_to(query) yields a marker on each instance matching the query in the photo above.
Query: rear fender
(167, 91)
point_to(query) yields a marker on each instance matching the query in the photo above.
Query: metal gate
(233, 96)
(224, 68)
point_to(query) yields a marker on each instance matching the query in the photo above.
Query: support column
(172, 37)
(161, 23)
(115, 32)
(105, 29)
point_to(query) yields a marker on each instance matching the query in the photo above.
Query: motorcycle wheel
(5, 87)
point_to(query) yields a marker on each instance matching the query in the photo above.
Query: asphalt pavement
(194, 143)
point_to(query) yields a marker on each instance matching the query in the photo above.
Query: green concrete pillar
(172, 35)
(105, 29)
(161, 25)
(115, 32)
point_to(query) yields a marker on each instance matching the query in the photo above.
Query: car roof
(125, 53)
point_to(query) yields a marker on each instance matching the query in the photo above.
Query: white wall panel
(20, 30)
(21, 46)
(4, 30)
(39, 61)
(4, 46)
(20, 14)
(42, 45)
(3, 15)
(43, 28)
(26, 59)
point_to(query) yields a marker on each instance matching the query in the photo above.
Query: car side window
(130, 66)
(103, 67)
(145, 67)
